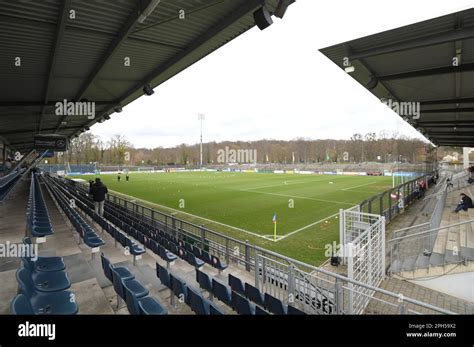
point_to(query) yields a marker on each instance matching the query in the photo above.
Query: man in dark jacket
(464, 204)
(98, 191)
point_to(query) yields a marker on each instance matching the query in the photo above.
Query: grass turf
(232, 202)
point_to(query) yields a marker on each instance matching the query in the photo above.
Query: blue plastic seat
(189, 247)
(44, 303)
(21, 305)
(242, 305)
(44, 264)
(48, 281)
(206, 257)
(204, 281)
(178, 288)
(274, 305)
(141, 305)
(135, 249)
(221, 292)
(166, 256)
(197, 303)
(163, 275)
(197, 252)
(260, 311)
(236, 284)
(132, 285)
(197, 263)
(214, 310)
(254, 294)
(182, 254)
(218, 264)
(294, 311)
(107, 267)
(151, 306)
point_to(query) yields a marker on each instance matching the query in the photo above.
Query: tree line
(371, 147)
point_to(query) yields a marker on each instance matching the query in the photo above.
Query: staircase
(426, 250)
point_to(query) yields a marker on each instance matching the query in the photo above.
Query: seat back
(131, 300)
(117, 282)
(241, 305)
(204, 280)
(23, 277)
(213, 309)
(222, 292)
(163, 275)
(196, 301)
(254, 294)
(206, 257)
(294, 311)
(260, 311)
(236, 284)
(106, 267)
(178, 287)
(21, 305)
(274, 305)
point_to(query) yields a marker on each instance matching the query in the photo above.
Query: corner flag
(274, 226)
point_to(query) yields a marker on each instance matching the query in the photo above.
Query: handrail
(432, 230)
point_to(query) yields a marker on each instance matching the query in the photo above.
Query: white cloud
(275, 83)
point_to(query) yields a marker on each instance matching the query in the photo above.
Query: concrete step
(440, 243)
(436, 259)
(452, 257)
(409, 263)
(467, 253)
(422, 261)
(452, 239)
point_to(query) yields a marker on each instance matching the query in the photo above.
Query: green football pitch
(242, 205)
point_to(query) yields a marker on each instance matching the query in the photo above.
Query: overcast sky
(274, 84)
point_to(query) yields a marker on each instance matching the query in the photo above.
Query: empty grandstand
(307, 228)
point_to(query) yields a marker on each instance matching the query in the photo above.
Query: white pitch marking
(308, 226)
(362, 185)
(299, 197)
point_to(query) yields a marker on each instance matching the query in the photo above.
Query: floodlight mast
(201, 117)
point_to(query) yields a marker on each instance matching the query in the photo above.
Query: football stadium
(107, 212)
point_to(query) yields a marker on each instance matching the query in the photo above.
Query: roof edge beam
(427, 72)
(454, 35)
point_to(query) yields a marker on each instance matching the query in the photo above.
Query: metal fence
(392, 202)
(309, 288)
(364, 253)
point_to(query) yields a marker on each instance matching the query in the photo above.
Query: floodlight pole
(201, 117)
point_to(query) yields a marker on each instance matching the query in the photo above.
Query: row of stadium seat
(131, 246)
(267, 301)
(189, 295)
(135, 295)
(43, 287)
(85, 231)
(7, 182)
(148, 236)
(38, 223)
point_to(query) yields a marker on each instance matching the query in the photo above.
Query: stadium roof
(83, 58)
(431, 62)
